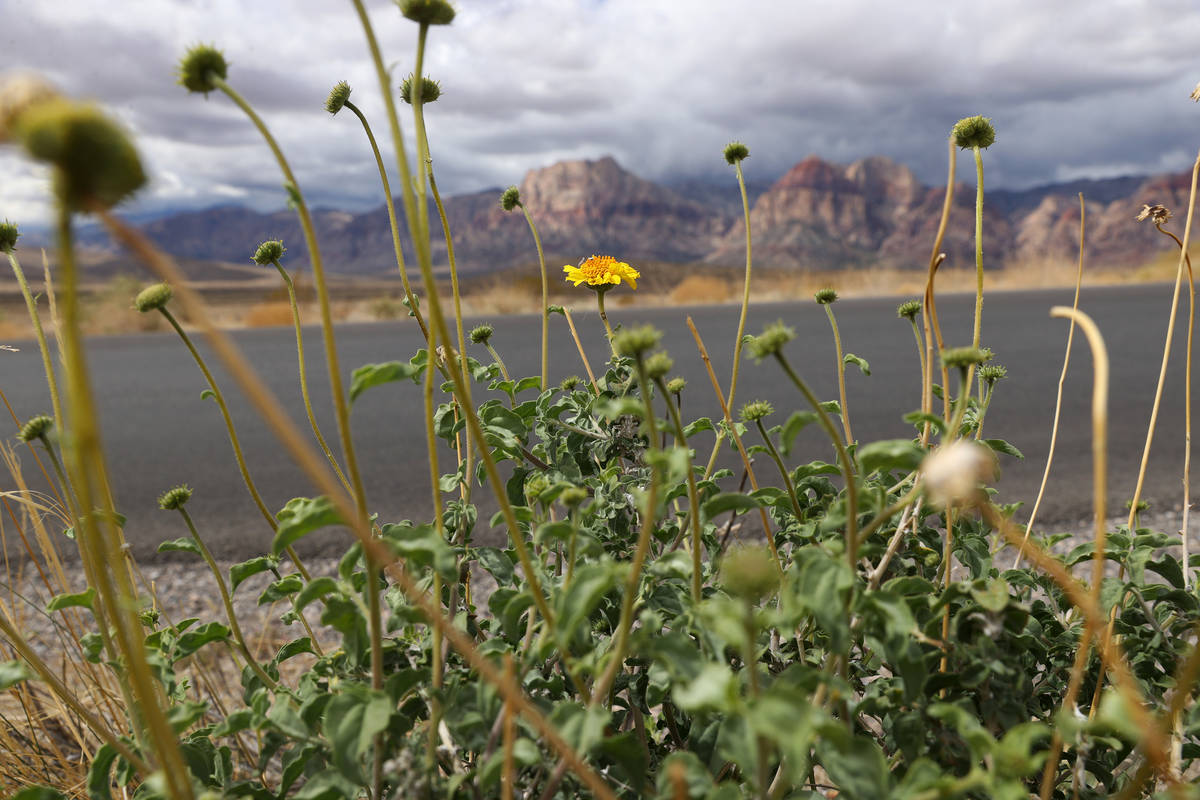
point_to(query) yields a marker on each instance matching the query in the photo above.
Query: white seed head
(953, 473)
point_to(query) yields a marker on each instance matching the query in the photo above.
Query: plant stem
(312, 420)
(1062, 377)
(783, 473)
(929, 308)
(843, 460)
(841, 373)
(98, 534)
(693, 495)
(251, 661)
(537, 240)
(438, 521)
(499, 361)
(582, 354)
(47, 365)
(604, 318)
(978, 245)
(391, 211)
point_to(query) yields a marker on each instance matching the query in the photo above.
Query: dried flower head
(750, 573)
(269, 252)
(96, 162)
(953, 473)
(963, 357)
(676, 385)
(825, 296)
(174, 499)
(602, 271)
(427, 12)
(658, 365)
(635, 341)
(431, 90)
(36, 428)
(201, 67)
(8, 236)
(1196, 93)
(771, 341)
(338, 97)
(481, 334)
(908, 309)
(974, 132)
(153, 297)
(736, 152)
(17, 96)
(1157, 214)
(756, 410)
(511, 198)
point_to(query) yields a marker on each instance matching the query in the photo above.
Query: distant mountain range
(819, 215)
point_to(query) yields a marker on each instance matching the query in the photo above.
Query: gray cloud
(1076, 88)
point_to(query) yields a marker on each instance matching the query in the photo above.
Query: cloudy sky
(1076, 88)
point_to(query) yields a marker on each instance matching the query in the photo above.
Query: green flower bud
(555, 309)
(963, 357)
(201, 67)
(174, 499)
(570, 383)
(511, 198)
(36, 428)
(573, 496)
(480, 334)
(1142, 505)
(750, 573)
(988, 354)
(756, 410)
(153, 297)
(771, 341)
(338, 97)
(735, 152)
(825, 296)
(658, 365)
(427, 12)
(909, 309)
(992, 373)
(675, 385)
(269, 252)
(8, 236)
(637, 340)
(96, 162)
(974, 132)
(431, 90)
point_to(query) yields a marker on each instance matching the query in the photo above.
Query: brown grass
(271, 314)
(700, 289)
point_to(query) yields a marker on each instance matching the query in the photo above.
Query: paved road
(158, 432)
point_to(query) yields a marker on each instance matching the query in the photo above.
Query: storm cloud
(1075, 89)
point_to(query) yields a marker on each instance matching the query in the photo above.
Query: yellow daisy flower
(602, 271)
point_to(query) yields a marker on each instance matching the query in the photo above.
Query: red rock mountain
(819, 215)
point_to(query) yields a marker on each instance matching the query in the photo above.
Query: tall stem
(537, 241)
(841, 373)
(395, 228)
(312, 420)
(693, 495)
(604, 318)
(47, 365)
(978, 244)
(787, 479)
(98, 533)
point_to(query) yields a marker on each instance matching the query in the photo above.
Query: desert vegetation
(877, 626)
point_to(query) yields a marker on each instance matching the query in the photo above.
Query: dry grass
(270, 314)
(702, 289)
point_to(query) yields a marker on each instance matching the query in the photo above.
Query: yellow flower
(602, 271)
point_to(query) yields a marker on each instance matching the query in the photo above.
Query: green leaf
(791, 429)
(242, 571)
(193, 640)
(351, 721)
(300, 517)
(890, 454)
(588, 587)
(84, 599)
(919, 418)
(294, 648)
(369, 375)
(857, 361)
(714, 689)
(856, 765)
(497, 562)
(702, 424)
(422, 547)
(1001, 446)
(208, 394)
(12, 673)
(284, 587)
(39, 793)
(185, 544)
(99, 781)
(314, 590)
(728, 501)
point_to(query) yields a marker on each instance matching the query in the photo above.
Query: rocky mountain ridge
(819, 215)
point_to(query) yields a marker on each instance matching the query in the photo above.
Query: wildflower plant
(651, 627)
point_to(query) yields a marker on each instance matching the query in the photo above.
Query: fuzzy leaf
(369, 375)
(300, 517)
(242, 571)
(184, 544)
(857, 361)
(84, 599)
(12, 673)
(890, 454)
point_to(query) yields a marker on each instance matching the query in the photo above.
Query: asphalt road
(158, 432)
